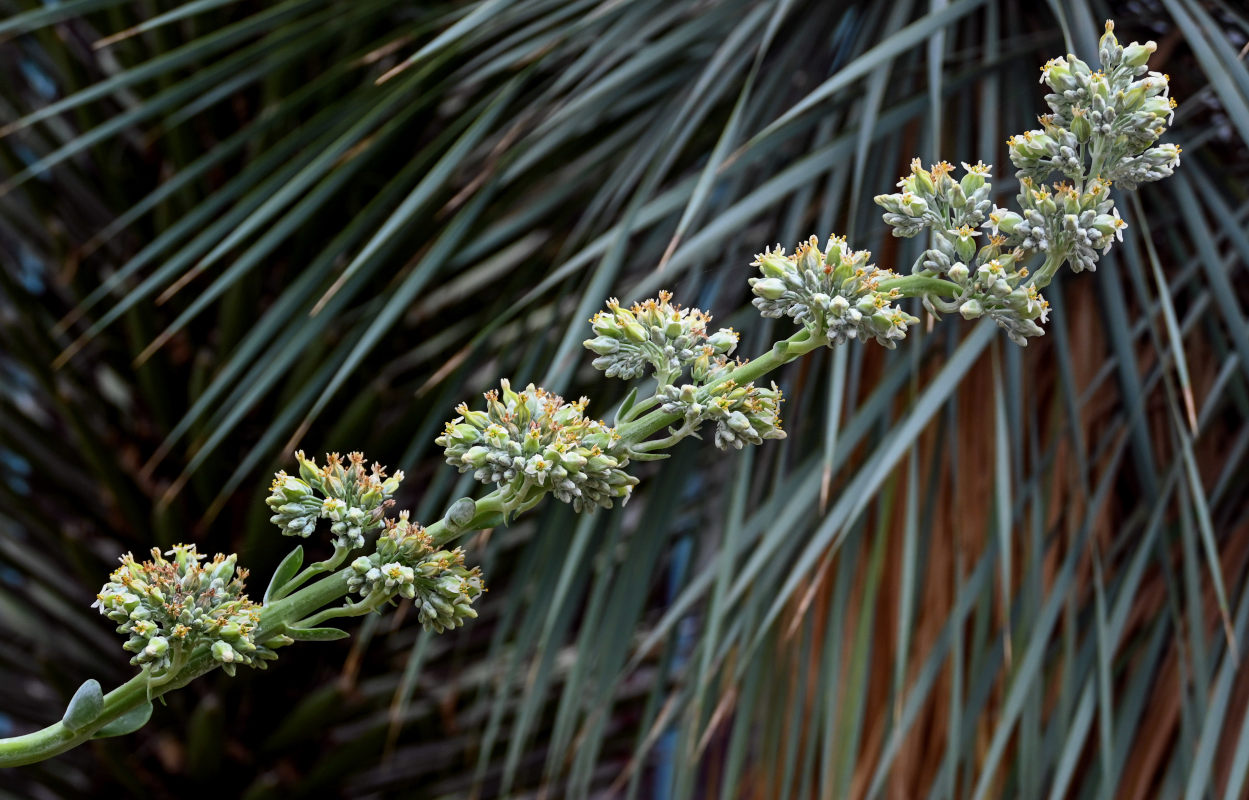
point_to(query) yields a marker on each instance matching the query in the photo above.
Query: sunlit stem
(311, 571)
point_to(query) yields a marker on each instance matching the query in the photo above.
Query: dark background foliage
(971, 571)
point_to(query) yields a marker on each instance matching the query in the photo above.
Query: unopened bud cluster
(534, 441)
(654, 333)
(836, 294)
(352, 497)
(168, 607)
(405, 564)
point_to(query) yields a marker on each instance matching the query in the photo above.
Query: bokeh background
(231, 228)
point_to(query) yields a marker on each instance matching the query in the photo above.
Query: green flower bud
(476, 456)
(774, 265)
(633, 330)
(465, 433)
(971, 309)
(923, 179)
(723, 340)
(603, 345)
(1080, 125)
(308, 469)
(223, 652)
(770, 288)
(956, 196)
(1135, 55)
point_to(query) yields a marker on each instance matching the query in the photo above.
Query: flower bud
(605, 325)
(465, 433)
(773, 265)
(957, 198)
(223, 652)
(923, 179)
(769, 288)
(476, 456)
(1135, 55)
(971, 309)
(603, 345)
(723, 340)
(633, 329)
(1080, 125)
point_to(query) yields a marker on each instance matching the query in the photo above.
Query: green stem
(312, 571)
(1053, 262)
(784, 351)
(370, 604)
(917, 285)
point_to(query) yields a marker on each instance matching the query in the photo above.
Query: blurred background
(229, 229)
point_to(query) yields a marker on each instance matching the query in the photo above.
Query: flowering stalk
(183, 618)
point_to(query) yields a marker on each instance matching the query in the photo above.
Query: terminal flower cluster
(1102, 128)
(169, 607)
(532, 441)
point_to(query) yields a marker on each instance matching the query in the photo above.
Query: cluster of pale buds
(533, 441)
(168, 607)
(654, 333)
(835, 294)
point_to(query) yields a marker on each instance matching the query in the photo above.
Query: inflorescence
(406, 564)
(168, 608)
(532, 441)
(354, 499)
(1103, 128)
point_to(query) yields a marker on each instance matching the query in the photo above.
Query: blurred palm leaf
(971, 571)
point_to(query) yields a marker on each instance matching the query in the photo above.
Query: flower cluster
(169, 607)
(352, 497)
(654, 333)
(1117, 113)
(405, 564)
(837, 294)
(743, 414)
(535, 441)
(931, 198)
(1081, 225)
(1102, 129)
